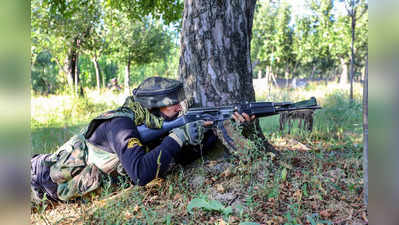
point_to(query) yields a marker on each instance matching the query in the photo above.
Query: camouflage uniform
(77, 167)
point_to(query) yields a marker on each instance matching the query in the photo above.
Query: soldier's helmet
(155, 92)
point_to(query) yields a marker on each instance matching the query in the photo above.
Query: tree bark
(126, 83)
(215, 62)
(365, 135)
(98, 72)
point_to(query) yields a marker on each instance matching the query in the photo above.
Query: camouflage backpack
(78, 165)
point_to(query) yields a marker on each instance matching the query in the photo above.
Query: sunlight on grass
(54, 119)
(68, 109)
(320, 90)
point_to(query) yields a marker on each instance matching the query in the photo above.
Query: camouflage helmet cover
(155, 92)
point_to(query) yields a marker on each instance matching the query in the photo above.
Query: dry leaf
(314, 205)
(278, 220)
(212, 219)
(157, 182)
(298, 195)
(221, 222)
(234, 218)
(128, 215)
(153, 198)
(226, 173)
(177, 197)
(136, 208)
(260, 214)
(325, 213)
(220, 188)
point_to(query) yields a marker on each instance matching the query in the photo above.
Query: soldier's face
(171, 111)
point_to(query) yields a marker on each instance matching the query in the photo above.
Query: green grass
(320, 185)
(55, 119)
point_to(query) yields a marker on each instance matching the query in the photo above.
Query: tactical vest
(78, 166)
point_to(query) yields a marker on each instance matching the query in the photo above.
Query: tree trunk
(353, 18)
(267, 79)
(312, 75)
(215, 62)
(274, 81)
(344, 75)
(286, 73)
(365, 135)
(70, 67)
(76, 77)
(126, 83)
(98, 72)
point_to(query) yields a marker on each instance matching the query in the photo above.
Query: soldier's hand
(243, 118)
(191, 133)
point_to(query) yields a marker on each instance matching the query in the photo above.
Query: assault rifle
(219, 114)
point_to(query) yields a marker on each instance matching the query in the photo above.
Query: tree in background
(355, 9)
(272, 42)
(63, 28)
(284, 55)
(71, 29)
(97, 45)
(302, 45)
(321, 36)
(289, 46)
(263, 31)
(169, 11)
(137, 42)
(341, 47)
(314, 45)
(43, 73)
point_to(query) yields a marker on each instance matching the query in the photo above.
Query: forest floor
(317, 177)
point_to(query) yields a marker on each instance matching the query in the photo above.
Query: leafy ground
(316, 179)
